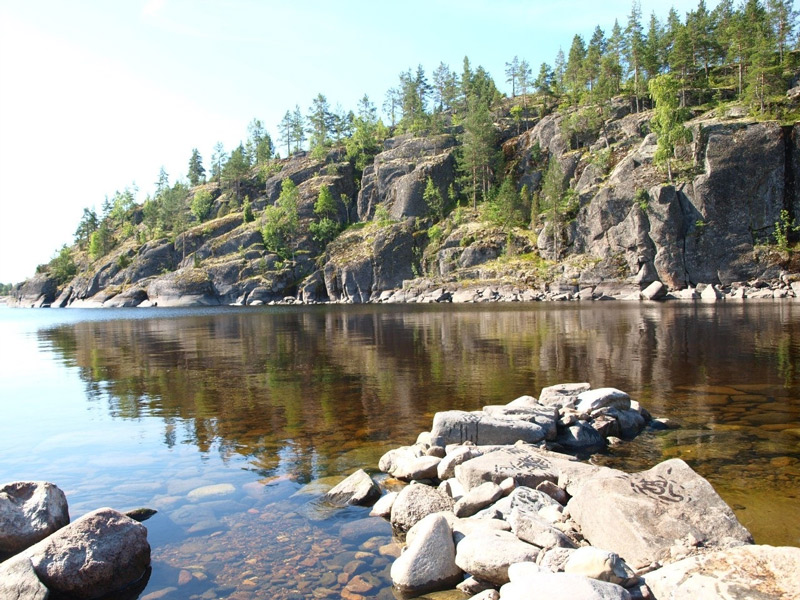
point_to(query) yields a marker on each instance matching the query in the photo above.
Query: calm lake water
(150, 407)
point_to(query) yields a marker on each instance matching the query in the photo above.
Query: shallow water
(149, 407)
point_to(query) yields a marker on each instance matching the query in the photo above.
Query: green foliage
(324, 230)
(784, 229)
(235, 170)
(435, 233)
(123, 261)
(196, 170)
(86, 227)
(280, 221)
(368, 135)
(247, 211)
(201, 204)
(62, 267)
(667, 119)
(100, 242)
(434, 199)
(5, 288)
(642, 199)
(382, 215)
(259, 148)
(478, 154)
(602, 159)
(582, 126)
(507, 208)
(325, 205)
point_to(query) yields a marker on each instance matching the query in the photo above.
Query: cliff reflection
(298, 391)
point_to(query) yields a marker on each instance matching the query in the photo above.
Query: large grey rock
(640, 516)
(477, 498)
(99, 553)
(529, 526)
(456, 427)
(580, 436)
(562, 586)
(562, 394)
(38, 291)
(742, 573)
(29, 512)
(461, 454)
(544, 416)
(421, 467)
(383, 507)
(527, 465)
(185, 287)
(486, 554)
(415, 502)
(18, 581)
(358, 488)
(429, 561)
(601, 398)
(601, 565)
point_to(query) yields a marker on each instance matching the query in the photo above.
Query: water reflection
(308, 393)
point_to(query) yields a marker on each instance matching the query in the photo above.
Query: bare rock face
(36, 292)
(29, 512)
(457, 427)
(185, 287)
(738, 573)
(99, 553)
(640, 516)
(399, 175)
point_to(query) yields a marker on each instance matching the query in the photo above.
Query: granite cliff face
(628, 226)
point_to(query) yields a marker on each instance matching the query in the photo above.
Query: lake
(229, 421)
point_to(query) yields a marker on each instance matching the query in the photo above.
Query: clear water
(148, 407)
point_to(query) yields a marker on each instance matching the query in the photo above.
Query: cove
(231, 422)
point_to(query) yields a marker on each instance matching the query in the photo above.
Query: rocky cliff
(628, 226)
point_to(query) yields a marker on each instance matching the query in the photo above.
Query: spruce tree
(196, 171)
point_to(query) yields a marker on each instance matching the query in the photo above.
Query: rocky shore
(494, 507)
(103, 553)
(36, 294)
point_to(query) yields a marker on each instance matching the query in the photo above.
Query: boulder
(487, 554)
(741, 573)
(461, 454)
(358, 488)
(428, 562)
(601, 398)
(527, 465)
(601, 565)
(529, 526)
(641, 515)
(457, 427)
(544, 416)
(421, 467)
(18, 581)
(29, 512)
(383, 507)
(477, 498)
(581, 436)
(562, 586)
(563, 394)
(99, 553)
(415, 502)
(654, 291)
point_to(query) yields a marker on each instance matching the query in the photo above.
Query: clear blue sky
(97, 95)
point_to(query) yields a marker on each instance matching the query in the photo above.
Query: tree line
(747, 52)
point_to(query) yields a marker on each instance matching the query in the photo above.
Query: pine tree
(524, 80)
(445, 88)
(196, 170)
(574, 74)
(652, 52)
(236, 169)
(552, 198)
(559, 66)
(478, 154)
(320, 121)
(280, 221)
(217, 162)
(298, 130)
(392, 105)
(285, 134)
(544, 84)
(512, 75)
(259, 144)
(634, 48)
(594, 56)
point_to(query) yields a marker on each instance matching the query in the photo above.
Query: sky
(97, 96)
